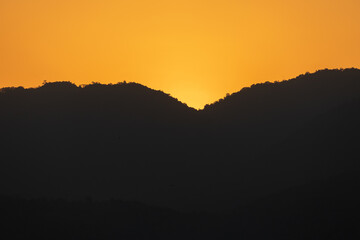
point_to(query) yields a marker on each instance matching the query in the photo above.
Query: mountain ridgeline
(296, 140)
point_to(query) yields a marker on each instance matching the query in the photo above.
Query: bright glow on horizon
(196, 50)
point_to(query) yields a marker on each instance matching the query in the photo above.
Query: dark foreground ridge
(275, 161)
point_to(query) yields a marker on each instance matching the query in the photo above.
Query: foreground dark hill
(128, 142)
(321, 210)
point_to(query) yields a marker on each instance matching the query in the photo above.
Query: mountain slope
(268, 112)
(128, 142)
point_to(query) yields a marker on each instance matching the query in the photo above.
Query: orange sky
(196, 50)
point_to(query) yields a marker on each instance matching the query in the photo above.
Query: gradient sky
(196, 50)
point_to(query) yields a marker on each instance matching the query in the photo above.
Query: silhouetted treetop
(58, 85)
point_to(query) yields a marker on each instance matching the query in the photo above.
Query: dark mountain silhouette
(269, 111)
(291, 146)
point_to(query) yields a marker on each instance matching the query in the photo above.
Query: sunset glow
(196, 50)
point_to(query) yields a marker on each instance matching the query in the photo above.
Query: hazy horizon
(189, 105)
